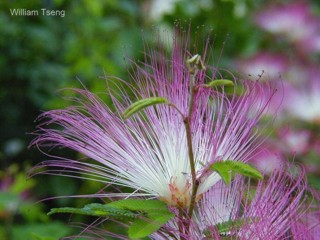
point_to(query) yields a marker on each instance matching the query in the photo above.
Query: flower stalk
(194, 65)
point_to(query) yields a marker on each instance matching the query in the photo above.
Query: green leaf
(245, 169)
(223, 170)
(139, 205)
(96, 209)
(141, 104)
(220, 82)
(157, 214)
(143, 227)
(227, 168)
(147, 215)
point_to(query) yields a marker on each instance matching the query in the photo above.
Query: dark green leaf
(141, 104)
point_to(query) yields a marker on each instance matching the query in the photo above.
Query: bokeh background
(274, 41)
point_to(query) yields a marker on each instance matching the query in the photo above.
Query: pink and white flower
(148, 152)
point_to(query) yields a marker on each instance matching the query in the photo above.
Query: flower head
(148, 152)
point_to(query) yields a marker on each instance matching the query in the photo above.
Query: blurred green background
(42, 54)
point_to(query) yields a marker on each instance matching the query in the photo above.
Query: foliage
(147, 215)
(42, 54)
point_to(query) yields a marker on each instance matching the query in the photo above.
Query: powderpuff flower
(276, 208)
(267, 65)
(149, 152)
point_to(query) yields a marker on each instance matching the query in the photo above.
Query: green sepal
(141, 104)
(220, 82)
(226, 169)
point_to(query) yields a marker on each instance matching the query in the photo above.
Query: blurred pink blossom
(268, 159)
(302, 101)
(295, 141)
(267, 65)
(294, 21)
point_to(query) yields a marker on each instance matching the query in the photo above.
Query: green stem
(193, 198)
(194, 64)
(187, 121)
(190, 150)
